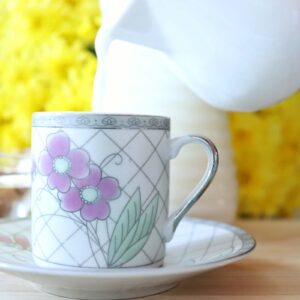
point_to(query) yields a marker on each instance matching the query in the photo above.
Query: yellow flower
(45, 62)
(267, 148)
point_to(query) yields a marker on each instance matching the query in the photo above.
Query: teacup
(100, 189)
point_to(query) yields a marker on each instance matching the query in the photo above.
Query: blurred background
(48, 63)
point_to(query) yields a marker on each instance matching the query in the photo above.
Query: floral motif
(109, 121)
(134, 121)
(22, 242)
(60, 163)
(91, 195)
(5, 239)
(100, 121)
(18, 240)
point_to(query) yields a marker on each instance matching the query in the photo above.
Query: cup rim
(96, 120)
(91, 113)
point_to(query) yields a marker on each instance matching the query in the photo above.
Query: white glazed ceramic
(235, 55)
(138, 80)
(198, 246)
(100, 191)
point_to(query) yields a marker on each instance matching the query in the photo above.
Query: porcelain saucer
(198, 246)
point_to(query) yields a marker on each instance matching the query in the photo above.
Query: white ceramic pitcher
(169, 57)
(235, 55)
(138, 81)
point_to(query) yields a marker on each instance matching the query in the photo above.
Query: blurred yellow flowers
(46, 62)
(267, 152)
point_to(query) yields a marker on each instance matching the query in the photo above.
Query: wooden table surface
(272, 271)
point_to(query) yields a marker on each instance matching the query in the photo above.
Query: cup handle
(213, 160)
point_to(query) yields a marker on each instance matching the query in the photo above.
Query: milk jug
(191, 60)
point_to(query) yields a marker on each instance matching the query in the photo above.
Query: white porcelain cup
(100, 189)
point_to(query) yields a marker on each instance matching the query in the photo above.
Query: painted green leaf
(131, 252)
(124, 246)
(124, 229)
(147, 220)
(138, 236)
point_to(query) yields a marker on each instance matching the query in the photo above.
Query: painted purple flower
(91, 195)
(60, 163)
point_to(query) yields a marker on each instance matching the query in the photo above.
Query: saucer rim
(133, 272)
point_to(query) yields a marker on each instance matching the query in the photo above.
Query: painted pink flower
(22, 242)
(6, 239)
(91, 195)
(19, 240)
(60, 163)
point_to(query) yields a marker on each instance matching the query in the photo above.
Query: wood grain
(272, 271)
